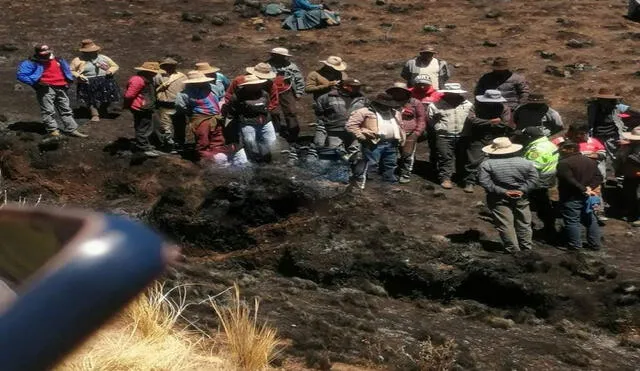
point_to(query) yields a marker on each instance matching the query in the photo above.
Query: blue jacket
(300, 6)
(30, 72)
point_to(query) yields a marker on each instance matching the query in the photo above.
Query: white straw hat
(335, 62)
(491, 96)
(197, 77)
(501, 146)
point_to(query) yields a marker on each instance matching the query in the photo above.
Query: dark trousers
(612, 146)
(143, 126)
(408, 155)
(289, 108)
(382, 156)
(450, 156)
(542, 204)
(631, 189)
(475, 156)
(574, 215)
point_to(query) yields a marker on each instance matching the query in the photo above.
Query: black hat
(385, 99)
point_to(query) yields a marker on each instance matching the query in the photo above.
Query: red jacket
(274, 102)
(134, 95)
(426, 96)
(414, 117)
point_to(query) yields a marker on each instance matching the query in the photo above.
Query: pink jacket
(134, 97)
(414, 117)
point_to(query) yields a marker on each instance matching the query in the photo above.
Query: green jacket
(544, 156)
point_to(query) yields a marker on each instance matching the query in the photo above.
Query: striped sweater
(499, 174)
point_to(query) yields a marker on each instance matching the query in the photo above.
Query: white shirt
(433, 71)
(388, 128)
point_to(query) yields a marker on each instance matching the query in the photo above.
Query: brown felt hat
(206, 68)
(385, 99)
(500, 63)
(169, 61)
(607, 93)
(88, 46)
(150, 67)
(428, 49)
(262, 70)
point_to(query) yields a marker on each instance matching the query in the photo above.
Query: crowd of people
(507, 139)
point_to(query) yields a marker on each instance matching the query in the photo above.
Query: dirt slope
(349, 278)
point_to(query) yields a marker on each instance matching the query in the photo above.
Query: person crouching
(508, 179)
(249, 109)
(377, 127)
(200, 104)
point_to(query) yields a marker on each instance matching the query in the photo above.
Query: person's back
(507, 173)
(544, 155)
(576, 172)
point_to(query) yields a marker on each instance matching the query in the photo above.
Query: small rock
(203, 31)
(192, 18)
(304, 284)
(253, 4)
(123, 14)
(217, 21)
(250, 13)
(386, 25)
(555, 71)
(493, 13)
(499, 322)
(439, 194)
(628, 299)
(631, 340)
(396, 9)
(8, 47)
(373, 289)
(450, 26)
(19, 87)
(390, 65)
(3, 59)
(478, 204)
(489, 43)
(3, 118)
(381, 2)
(440, 239)
(546, 54)
(577, 44)
(196, 37)
(431, 28)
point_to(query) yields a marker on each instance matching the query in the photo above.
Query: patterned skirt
(98, 91)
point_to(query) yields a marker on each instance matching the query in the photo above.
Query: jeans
(512, 218)
(631, 187)
(54, 100)
(384, 155)
(574, 214)
(143, 126)
(259, 140)
(475, 156)
(450, 156)
(289, 108)
(408, 155)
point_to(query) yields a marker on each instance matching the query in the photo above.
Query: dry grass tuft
(251, 346)
(145, 337)
(437, 357)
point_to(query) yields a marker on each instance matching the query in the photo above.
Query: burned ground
(360, 278)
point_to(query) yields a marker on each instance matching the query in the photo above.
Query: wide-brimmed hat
(500, 63)
(452, 88)
(535, 98)
(261, 70)
(633, 134)
(607, 93)
(205, 68)
(150, 67)
(281, 51)
(385, 99)
(252, 80)
(88, 46)
(401, 88)
(42, 52)
(169, 61)
(428, 49)
(197, 77)
(422, 79)
(491, 96)
(501, 146)
(335, 62)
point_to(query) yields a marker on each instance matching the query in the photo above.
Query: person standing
(290, 86)
(424, 91)
(50, 77)
(377, 128)
(488, 119)
(333, 110)
(97, 87)
(425, 63)
(249, 108)
(578, 178)
(544, 155)
(168, 85)
(535, 111)
(414, 121)
(513, 86)
(140, 98)
(330, 75)
(220, 82)
(628, 165)
(508, 179)
(605, 122)
(262, 71)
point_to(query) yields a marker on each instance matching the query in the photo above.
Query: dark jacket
(250, 109)
(478, 127)
(333, 109)
(30, 71)
(528, 115)
(513, 86)
(628, 161)
(576, 172)
(604, 119)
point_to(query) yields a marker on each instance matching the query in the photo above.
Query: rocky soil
(389, 278)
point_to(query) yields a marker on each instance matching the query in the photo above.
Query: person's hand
(514, 194)
(109, 73)
(334, 83)
(624, 142)
(592, 155)
(495, 121)
(83, 78)
(590, 192)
